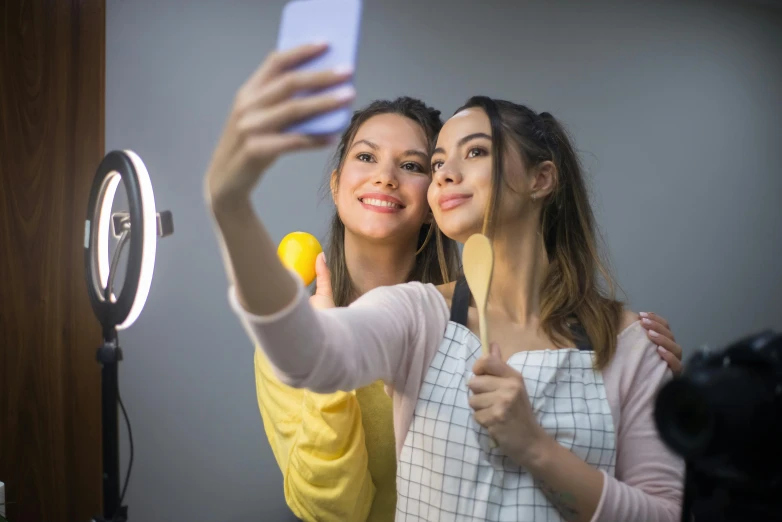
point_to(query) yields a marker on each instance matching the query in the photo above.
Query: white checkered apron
(447, 469)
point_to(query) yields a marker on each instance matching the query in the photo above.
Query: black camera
(723, 415)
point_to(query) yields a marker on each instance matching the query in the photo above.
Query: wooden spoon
(478, 262)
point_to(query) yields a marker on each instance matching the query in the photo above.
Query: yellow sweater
(336, 451)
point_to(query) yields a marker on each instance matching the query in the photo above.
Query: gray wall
(676, 107)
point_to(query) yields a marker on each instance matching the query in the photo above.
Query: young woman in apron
(573, 430)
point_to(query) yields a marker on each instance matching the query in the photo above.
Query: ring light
(138, 229)
(126, 166)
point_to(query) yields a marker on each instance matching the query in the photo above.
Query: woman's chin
(459, 232)
(381, 234)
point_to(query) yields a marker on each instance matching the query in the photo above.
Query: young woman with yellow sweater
(336, 451)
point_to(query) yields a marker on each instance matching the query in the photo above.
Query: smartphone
(336, 22)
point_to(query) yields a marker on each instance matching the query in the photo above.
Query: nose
(386, 177)
(446, 175)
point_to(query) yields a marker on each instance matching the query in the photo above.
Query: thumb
(322, 277)
(494, 350)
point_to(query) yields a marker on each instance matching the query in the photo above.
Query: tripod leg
(109, 387)
(689, 492)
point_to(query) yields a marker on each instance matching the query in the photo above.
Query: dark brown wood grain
(51, 142)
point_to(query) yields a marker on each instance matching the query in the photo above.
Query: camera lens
(689, 417)
(683, 419)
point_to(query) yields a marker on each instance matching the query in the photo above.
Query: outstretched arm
(253, 138)
(338, 349)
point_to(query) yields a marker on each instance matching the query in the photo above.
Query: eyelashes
(416, 167)
(479, 151)
(472, 152)
(410, 166)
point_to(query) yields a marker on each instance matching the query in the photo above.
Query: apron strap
(460, 303)
(580, 336)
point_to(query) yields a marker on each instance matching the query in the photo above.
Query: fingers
(279, 61)
(674, 363)
(482, 401)
(285, 86)
(658, 328)
(298, 109)
(664, 342)
(489, 417)
(492, 364)
(321, 303)
(485, 383)
(488, 365)
(662, 336)
(656, 318)
(481, 365)
(283, 115)
(664, 339)
(265, 106)
(484, 417)
(323, 277)
(323, 297)
(659, 333)
(273, 144)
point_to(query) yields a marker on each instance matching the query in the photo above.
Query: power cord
(123, 510)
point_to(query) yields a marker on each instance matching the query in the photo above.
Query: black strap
(460, 306)
(580, 336)
(460, 303)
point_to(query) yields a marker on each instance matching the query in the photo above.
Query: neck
(377, 263)
(520, 264)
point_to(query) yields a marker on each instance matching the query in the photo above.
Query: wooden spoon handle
(484, 331)
(485, 349)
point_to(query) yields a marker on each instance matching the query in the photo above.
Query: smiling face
(462, 181)
(380, 189)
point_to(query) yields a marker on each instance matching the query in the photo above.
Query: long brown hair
(572, 288)
(437, 260)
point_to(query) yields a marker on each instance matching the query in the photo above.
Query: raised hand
(502, 406)
(263, 108)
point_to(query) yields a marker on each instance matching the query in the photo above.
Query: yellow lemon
(298, 251)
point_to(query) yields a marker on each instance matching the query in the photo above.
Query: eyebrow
(410, 152)
(464, 140)
(419, 153)
(368, 143)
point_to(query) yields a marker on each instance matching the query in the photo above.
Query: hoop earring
(426, 240)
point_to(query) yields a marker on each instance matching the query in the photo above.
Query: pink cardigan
(392, 333)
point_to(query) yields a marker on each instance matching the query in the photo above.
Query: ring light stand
(137, 230)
